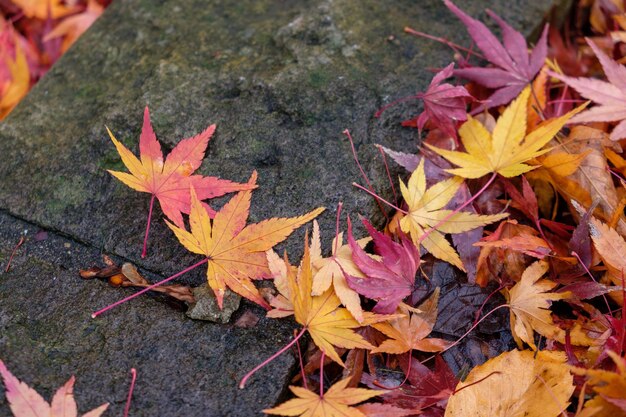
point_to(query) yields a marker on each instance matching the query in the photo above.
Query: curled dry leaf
(516, 383)
(128, 276)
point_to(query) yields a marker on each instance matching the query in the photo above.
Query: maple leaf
(610, 95)
(409, 332)
(514, 68)
(169, 180)
(281, 303)
(609, 387)
(389, 280)
(26, 402)
(444, 104)
(327, 323)
(236, 253)
(516, 383)
(611, 247)
(506, 150)
(425, 209)
(19, 84)
(335, 402)
(44, 9)
(529, 301)
(72, 27)
(331, 270)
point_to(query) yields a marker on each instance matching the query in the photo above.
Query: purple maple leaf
(389, 280)
(444, 104)
(514, 68)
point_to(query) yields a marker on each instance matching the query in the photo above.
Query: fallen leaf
(425, 210)
(26, 402)
(611, 96)
(19, 85)
(514, 68)
(334, 270)
(72, 27)
(516, 383)
(444, 104)
(236, 253)
(169, 180)
(336, 402)
(409, 332)
(327, 323)
(612, 249)
(508, 148)
(529, 301)
(281, 303)
(43, 9)
(388, 280)
(609, 387)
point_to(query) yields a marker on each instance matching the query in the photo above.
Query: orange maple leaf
(43, 9)
(235, 252)
(19, 84)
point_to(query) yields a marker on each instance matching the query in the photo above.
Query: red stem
(367, 181)
(137, 294)
(452, 45)
(461, 207)
(133, 373)
(393, 188)
(393, 103)
(322, 375)
(19, 243)
(376, 196)
(302, 374)
(271, 358)
(144, 252)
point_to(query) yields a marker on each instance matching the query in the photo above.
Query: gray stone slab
(282, 79)
(185, 367)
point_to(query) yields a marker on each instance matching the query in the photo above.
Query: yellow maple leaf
(19, 85)
(281, 303)
(508, 148)
(426, 211)
(516, 383)
(236, 253)
(331, 270)
(409, 332)
(529, 301)
(327, 323)
(610, 388)
(335, 402)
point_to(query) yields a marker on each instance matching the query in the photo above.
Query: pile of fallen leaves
(33, 35)
(519, 184)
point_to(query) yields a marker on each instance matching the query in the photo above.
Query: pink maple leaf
(26, 402)
(611, 95)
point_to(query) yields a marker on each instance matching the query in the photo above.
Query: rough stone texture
(185, 367)
(282, 79)
(206, 308)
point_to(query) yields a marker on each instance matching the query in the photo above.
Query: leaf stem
(144, 252)
(461, 207)
(137, 294)
(133, 373)
(322, 375)
(271, 358)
